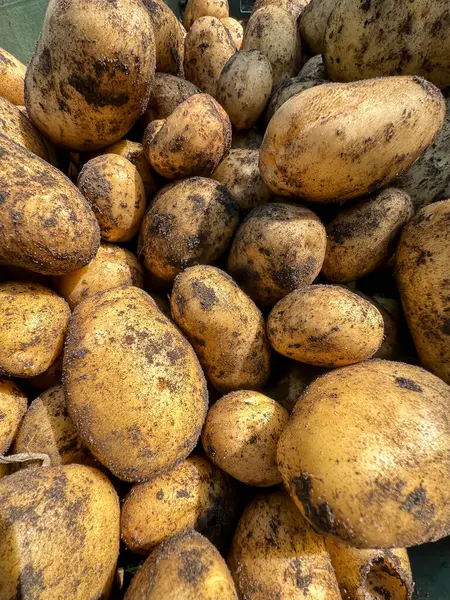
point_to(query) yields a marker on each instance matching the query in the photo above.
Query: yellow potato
(13, 406)
(313, 23)
(18, 127)
(286, 89)
(235, 30)
(169, 37)
(166, 93)
(12, 75)
(204, 8)
(294, 7)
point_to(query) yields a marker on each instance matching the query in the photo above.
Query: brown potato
(326, 326)
(13, 406)
(313, 68)
(314, 22)
(169, 37)
(166, 93)
(12, 76)
(286, 89)
(226, 329)
(277, 249)
(247, 140)
(204, 8)
(235, 30)
(49, 378)
(18, 127)
(293, 7)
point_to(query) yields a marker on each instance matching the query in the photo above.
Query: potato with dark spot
(326, 326)
(277, 249)
(188, 223)
(135, 390)
(169, 37)
(247, 140)
(235, 30)
(365, 455)
(313, 68)
(277, 554)
(18, 127)
(204, 8)
(313, 23)
(226, 329)
(12, 76)
(13, 406)
(33, 324)
(49, 378)
(422, 268)
(339, 141)
(293, 7)
(115, 190)
(166, 93)
(286, 89)
(60, 531)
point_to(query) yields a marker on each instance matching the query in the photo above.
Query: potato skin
(18, 127)
(13, 406)
(278, 248)
(69, 514)
(134, 387)
(276, 554)
(326, 326)
(235, 30)
(313, 24)
(189, 222)
(49, 378)
(12, 75)
(313, 68)
(169, 37)
(286, 89)
(345, 455)
(226, 329)
(422, 267)
(293, 7)
(45, 223)
(33, 324)
(166, 93)
(363, 235)
(374, 130)
(204, 8)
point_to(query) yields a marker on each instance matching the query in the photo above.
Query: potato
(186, 566)
(244, 87)
(45, 223)
(239, 172)
(166, 93)
(346, 455)
(342, 140)
(314, 22)
(286, 89)
(193, 495)
(191, 141)
(391, 347)
(115, 190)
(207, 48)
(12, 75)
(33, 324)
(49, 378)
(379, 37)
(277, 249)
(18, 127)
(273, 31)
(169, 37)
(326, 326)
(247, 140)
(13, 406)
(85, 95)
(189, 222)
(235, 30)
(371, 573)
(59, 528)
(313, 68)
(422, 267)
(293, 7)
(112, 267)
(240, 436)
(277, 554)
(134, 387)
(363, 235)
(204, 8)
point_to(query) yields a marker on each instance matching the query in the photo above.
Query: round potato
(277, 249)
(313, 68)
(313, 23)
(115, 190)
(166, 93)
(241, 434)
(169, 37)
(49, 378)
(13, 406)
(286, 89)
(247, 140)
(293, 7)
(189, 222)
(345, 455)
(235, 30)
(204, 8)
(18, 127)
(226, 329)
(276, 554)
(60, 530)
(373, 130)
(33, 324)
(12, 76)
(326, 326)
(135, 390)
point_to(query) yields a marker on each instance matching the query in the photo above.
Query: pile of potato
(225, 266)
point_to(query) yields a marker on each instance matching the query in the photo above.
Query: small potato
(277, 249)
(204, 8)
(49, 378)
(18, 127)
(193, 495)
(313, 23)
(13, 406)
(169, 38)
(33, 324)
(247, 140)
(313, 68)
(207, 48)
(166, 93)
(241, 434)
(363, 235)
(226, 329)
(293, 7)
(273, 31)
(244, 87)
(325, 325)
(112, 267)
(12, 76)
(191, 141)
(286, 89)
(116, 193)
(188, 223)
(239, 172)
(235, 30)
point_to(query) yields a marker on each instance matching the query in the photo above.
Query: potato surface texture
(166, 93)
(13, 406)
(18, 127)
(169, 37)
(12, 76)
(204, 8)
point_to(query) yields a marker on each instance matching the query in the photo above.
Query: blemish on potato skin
(321, 516)
(408, 384)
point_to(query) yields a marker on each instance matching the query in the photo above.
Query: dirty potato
(169, 37)
(313, 68)
(286, 89)
(235, 30)
(204, 8)
(293, 7)
(166, 93)
(313, 23)
(12, 76)
(18, 127)
(13, 406)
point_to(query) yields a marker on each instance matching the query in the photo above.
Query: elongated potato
(339, 141)
(293, 7)
(169, 37)
(166, 93)
(345, 455)
(18, 127)
(313, 23)
(235, 30)
(13, 406)
(204, 8)
(286, 89)
(12, 76)
(313, 68)
(226, 329)
(276, 554)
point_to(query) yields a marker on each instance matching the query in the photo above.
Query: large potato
(188, 223)
(276, 554)
(388, 37)
(12, 75)
(422, 266)
(13, 406)
(326, 326)
(86, 95)
(235, 30)
(339, 141)
(286, 89)
(134, 387)
(166, 93)
(226, 329)
(293, 7)
(59, 528)
(204, 8)
(313, 23)
(33, 324)
(18, 127)
(45, 223)
(278, 248)
(169, 37)
(366, 452)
